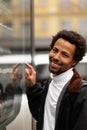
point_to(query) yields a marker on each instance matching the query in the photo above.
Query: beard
(55, 69)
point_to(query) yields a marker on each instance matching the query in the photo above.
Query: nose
(57, 56)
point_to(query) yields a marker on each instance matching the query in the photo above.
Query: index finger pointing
(28, 65)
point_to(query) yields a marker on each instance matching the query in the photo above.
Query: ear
(74, 63)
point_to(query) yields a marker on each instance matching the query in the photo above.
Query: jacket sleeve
(80, 111)
(34, 99)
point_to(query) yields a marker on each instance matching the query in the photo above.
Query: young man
(61, 103)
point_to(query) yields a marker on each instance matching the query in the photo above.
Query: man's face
(61, 57)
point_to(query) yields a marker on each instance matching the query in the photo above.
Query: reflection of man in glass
(9, 110)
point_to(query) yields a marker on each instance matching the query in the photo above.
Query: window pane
(83, 26)
(66, 24)
(65, 4)
(83, 4)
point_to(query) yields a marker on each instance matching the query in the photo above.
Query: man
(61, 103)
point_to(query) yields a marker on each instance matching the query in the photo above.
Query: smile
(54, 65)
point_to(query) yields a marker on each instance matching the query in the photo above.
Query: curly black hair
(74, 38)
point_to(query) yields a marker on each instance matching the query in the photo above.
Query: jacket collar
(75, 82)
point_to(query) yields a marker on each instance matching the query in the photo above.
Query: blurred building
(52, 16)
(49, 17)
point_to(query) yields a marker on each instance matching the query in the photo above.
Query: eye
(55, 50)
(65, 54)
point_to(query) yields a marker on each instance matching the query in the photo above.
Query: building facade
(49, 17)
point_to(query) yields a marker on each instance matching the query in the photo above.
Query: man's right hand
(30, 75)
